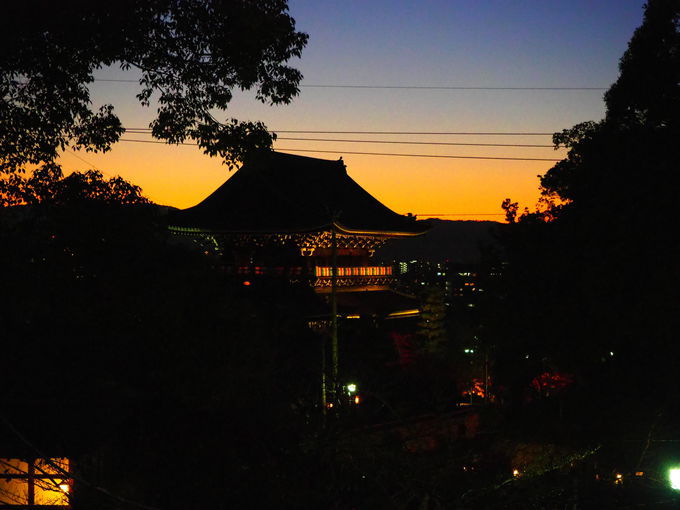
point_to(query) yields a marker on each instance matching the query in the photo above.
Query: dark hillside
(457, 241)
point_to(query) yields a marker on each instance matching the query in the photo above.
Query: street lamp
(674, 477)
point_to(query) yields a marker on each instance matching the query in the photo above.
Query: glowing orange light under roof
(325, 271)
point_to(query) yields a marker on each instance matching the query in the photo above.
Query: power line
(414, 143)
(400, 142)
(443, 156)
(115, 80)
(420, 155)
(73, 153)
(414, 133)
(155, 141)
(475, 133)
(460, 214)
(444, 87)
(403, 87)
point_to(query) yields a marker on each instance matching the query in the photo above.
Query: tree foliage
(593, 272)
(47, 186)
(636, 143)
(191, 54)
(140, 357)
(432, 324)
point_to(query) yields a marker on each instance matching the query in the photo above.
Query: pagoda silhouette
(307, 220)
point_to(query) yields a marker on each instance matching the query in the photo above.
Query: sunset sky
(399, 43)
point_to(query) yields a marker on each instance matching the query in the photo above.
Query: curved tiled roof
(278, 193)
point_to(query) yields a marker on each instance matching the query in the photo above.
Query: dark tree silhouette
(165, 381)
(191, 55)
(47, 186)
(592, 285)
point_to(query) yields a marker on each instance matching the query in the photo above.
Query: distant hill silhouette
(457, 241)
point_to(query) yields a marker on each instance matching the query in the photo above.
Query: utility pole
(324, 399)
(486, 374)
(31, 482)
(334, 313)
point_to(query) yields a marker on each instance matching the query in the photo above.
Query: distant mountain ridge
(456, 241)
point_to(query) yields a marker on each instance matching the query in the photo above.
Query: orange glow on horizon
(181, 176)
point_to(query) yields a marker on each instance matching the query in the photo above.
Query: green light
(351, 388)
(674, 478)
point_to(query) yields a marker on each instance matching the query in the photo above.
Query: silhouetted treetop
(633, 151)
(191, 55)
(593, 274)
(48, 186)
(647, 91)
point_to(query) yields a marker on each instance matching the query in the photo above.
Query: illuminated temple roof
(284, 193)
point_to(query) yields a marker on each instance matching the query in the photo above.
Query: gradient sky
(489, 43)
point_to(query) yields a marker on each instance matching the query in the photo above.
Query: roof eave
(383, 233)
(342, 229)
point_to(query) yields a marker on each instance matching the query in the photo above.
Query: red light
(246, 283)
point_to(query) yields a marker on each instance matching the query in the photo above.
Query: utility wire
(401, 87)
(476, 133)
(414, 143)
(395, 141)
(414, 133)
(75, 155)
(460, 214)
(443, 87)
(443, 156)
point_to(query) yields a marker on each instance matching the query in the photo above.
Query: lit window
(33, 483)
